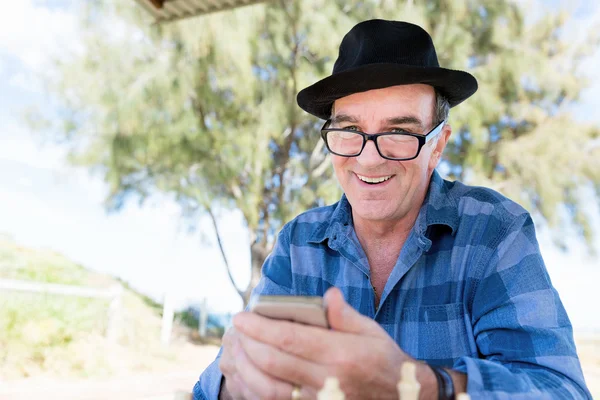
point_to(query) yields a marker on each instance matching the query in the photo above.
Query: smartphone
(308, 310)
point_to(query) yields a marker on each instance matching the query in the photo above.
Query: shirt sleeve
(276, 278)
(523, 335)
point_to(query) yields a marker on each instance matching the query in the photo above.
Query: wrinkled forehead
(380, 105)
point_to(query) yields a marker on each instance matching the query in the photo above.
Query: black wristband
(440, 382)
(445, 384)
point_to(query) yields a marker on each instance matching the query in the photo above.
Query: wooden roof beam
(157, 3)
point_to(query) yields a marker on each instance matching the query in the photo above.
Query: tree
(204, 109)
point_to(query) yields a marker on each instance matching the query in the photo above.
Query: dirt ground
(169, 385)
(162, 384)
(588, 348)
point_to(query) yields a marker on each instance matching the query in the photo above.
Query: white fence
(114, 294)
(169, 315)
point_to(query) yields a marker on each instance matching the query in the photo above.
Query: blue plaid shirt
(469, 291)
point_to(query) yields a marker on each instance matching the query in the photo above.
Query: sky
(44, 203)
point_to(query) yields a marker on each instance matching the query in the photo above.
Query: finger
(309, 342)
(226, 366)
(227, 359)
(242, 390)
(226, 363)
(282, 365)
(233, 387)
(342, 317)
(265, 386)
(228, 336)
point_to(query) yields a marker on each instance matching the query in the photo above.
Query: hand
(243, 380)
(357, 351)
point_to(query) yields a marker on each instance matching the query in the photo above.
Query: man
(423, 269)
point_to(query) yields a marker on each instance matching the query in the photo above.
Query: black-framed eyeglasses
(397, 146)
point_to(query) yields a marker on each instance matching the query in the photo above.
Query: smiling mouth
(373, 181)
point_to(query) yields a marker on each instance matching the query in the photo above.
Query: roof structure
(171, 10)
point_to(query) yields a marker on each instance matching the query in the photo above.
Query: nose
(370, 157)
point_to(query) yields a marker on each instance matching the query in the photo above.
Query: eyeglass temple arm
(435, 131)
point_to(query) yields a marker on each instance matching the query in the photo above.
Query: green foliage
(65, 335)
(189, 318)
(32, 327)
(204, 109)
(21, 263)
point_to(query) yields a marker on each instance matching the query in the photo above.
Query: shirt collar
(341, 217)
(439, 208)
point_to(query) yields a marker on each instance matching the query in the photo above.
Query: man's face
(373, 112)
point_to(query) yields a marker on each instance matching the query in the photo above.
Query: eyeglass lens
(346, 143)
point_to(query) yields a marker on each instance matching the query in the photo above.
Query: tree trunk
(258, 254)
(259, 250)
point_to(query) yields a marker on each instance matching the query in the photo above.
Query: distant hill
(65, 335)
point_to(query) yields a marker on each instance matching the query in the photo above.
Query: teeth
(373, 180)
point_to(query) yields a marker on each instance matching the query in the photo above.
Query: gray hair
(441, 109)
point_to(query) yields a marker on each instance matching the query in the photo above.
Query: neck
(370, 232)
(388, 230)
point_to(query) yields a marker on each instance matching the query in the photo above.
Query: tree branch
(214, 222)
(200, 110)
(314, 155)
(265, 233)
(292, 112)
(321, 168)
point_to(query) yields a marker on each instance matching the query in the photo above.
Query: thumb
(342, 317)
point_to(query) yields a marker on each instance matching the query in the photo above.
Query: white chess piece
(331, 390)
(409, 386)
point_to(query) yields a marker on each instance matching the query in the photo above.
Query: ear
(436, 154)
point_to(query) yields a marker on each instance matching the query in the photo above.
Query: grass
(65, 335)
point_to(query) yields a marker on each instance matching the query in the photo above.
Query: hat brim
(318, 98)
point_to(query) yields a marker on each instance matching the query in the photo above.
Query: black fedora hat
(376, 54)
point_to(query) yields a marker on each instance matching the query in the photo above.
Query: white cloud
(33, 32)
(25, 182)
(20, 146)
(24, 81)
